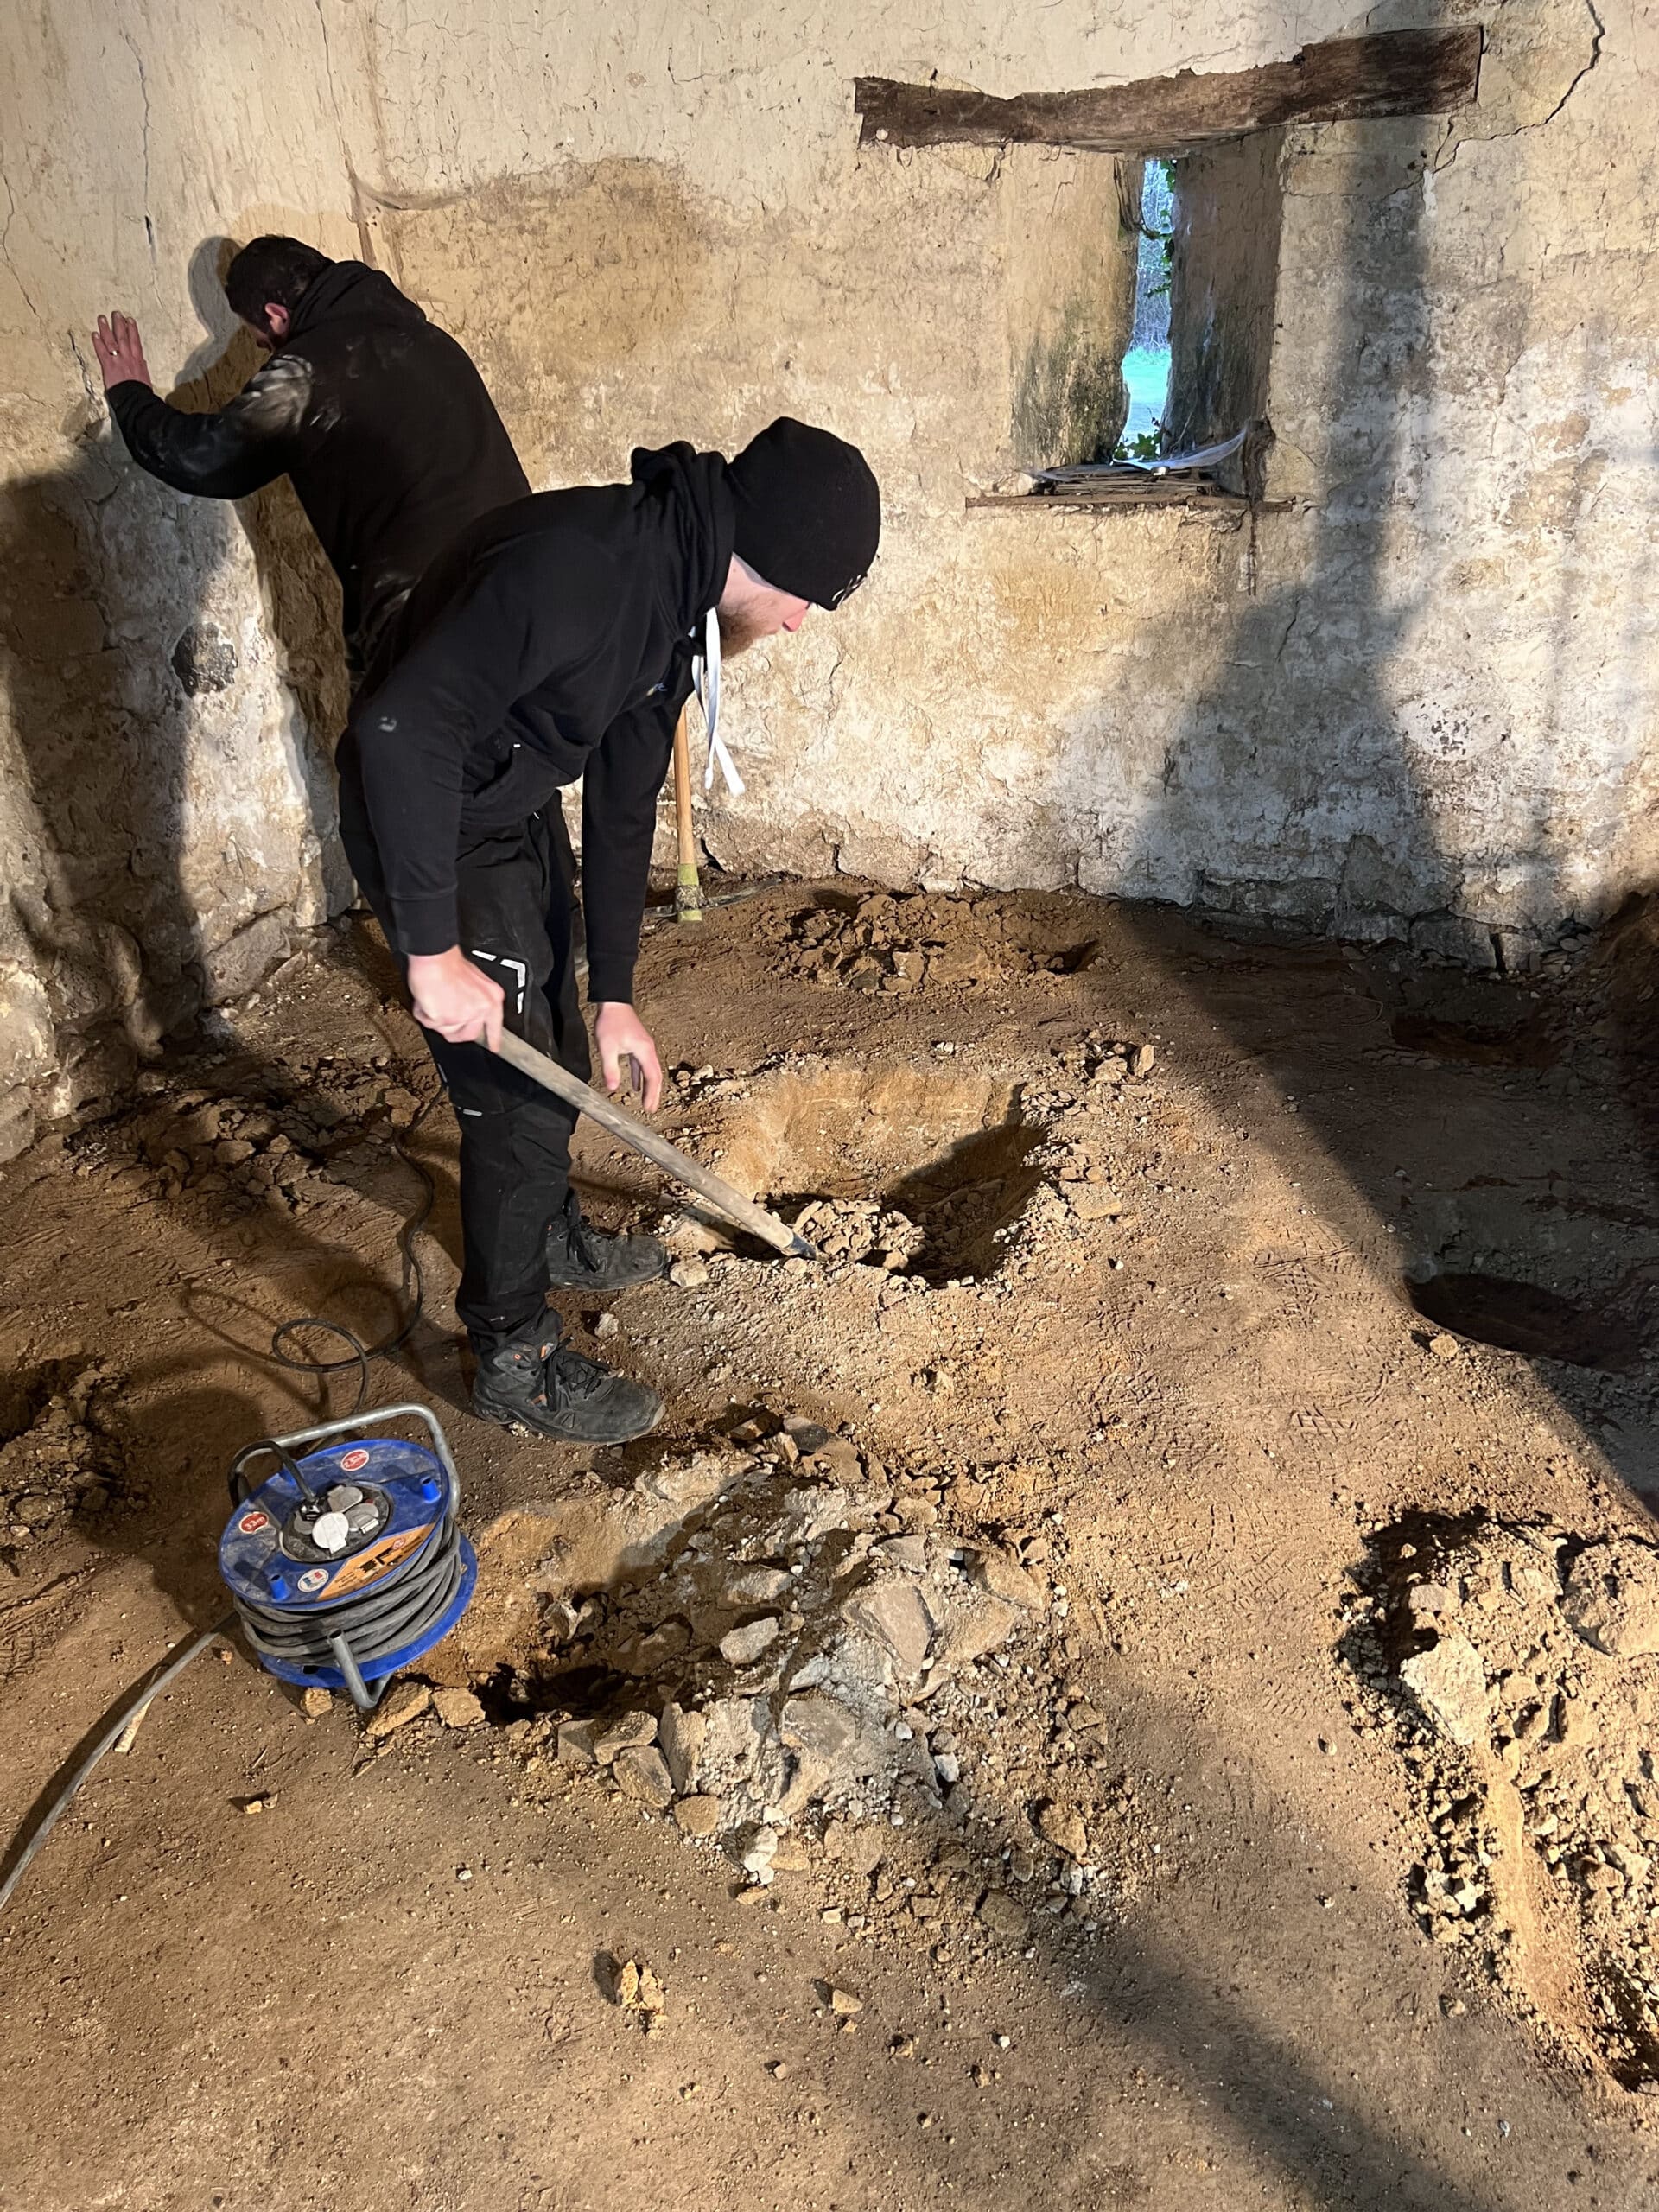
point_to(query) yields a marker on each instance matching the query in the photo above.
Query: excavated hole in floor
(1524, 1317)
(951, 1153)
(510, 1694)
(550, 1576)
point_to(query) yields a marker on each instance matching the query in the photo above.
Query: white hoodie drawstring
(705, 675)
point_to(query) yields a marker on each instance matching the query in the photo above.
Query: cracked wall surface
(1412, 698)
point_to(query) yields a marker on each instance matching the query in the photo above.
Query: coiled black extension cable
(359, 1633)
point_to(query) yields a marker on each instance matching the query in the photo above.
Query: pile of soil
(896, 942)
(1517, 1667)
(64, 1456)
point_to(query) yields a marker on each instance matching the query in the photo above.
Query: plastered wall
(1413, 699)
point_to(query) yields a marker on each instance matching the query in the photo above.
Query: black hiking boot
(582, 1257)
(538, 1387)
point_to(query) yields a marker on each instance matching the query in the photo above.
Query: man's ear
(276, 319)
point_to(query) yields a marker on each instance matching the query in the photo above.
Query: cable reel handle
(354, 1424)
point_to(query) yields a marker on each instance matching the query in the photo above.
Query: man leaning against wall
(378, 419)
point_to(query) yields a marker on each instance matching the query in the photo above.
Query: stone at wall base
(237, 964)
(17, 1123)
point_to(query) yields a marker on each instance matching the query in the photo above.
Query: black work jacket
(552, 641)
(380, 419)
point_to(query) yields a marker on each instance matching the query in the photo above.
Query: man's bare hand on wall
(120, 351)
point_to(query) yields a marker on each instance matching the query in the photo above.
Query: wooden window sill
(1129, 498)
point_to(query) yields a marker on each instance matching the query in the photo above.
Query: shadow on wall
(102, 726)
(113, 664)
(1398, 734)
(1295, 747)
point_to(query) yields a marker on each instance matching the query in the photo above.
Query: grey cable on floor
(138, 1699)
(128, 1714)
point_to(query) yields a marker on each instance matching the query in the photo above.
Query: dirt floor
(1134, 1681)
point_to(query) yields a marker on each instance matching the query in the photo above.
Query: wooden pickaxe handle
(688, 890)
(706, 1184)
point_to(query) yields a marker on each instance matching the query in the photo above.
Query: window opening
(1194, 376)
(1146, 364)
(1196, 356)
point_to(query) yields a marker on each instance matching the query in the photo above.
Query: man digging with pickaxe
(556, 640)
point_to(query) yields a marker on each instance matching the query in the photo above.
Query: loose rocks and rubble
(895, 1685)
(286, 1142)
(457, 1708)
(403, 1702)
(1517, 1669)
(66, 1458)
(894, 942)
(636, 1988)
(861, 1229)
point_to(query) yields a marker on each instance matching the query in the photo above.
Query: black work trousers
(518, 918)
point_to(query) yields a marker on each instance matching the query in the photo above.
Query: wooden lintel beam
(1338, 81)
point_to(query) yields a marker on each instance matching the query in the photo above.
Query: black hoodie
(552, 641)
(378, 416)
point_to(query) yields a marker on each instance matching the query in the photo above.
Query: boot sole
(597, 1287)
(516, 1425)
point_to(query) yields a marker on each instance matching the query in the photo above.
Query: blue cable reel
(346, 1564)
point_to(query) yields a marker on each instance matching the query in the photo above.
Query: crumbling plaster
(1413, 695)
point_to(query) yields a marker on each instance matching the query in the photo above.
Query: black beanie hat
(809, 512)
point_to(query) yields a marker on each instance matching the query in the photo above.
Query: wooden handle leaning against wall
(688, 889)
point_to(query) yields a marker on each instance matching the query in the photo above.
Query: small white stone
(744, 1645)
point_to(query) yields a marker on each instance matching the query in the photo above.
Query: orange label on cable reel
(369, 1566)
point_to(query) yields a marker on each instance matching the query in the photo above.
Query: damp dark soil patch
(1523, 1044)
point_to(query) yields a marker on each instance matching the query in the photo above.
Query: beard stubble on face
(740, 630)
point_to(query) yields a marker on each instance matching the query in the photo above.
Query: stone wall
(1413, 697)
(167, 667)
